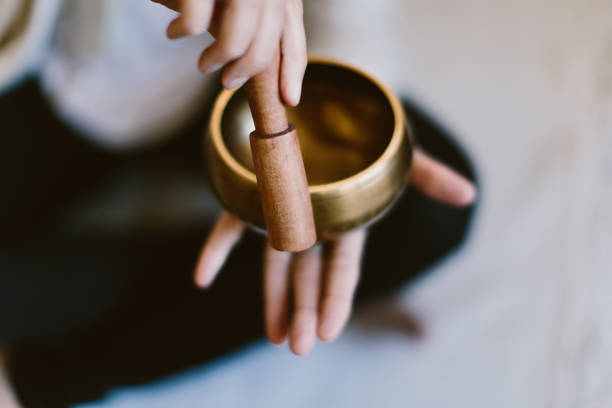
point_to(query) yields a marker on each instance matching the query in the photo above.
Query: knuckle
(342, 301)
(345, 265)
(258, 61)
(295, 50)
(307, 308)
(307, 277)
(230, 50)
(192, 26)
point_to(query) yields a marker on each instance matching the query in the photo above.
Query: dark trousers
(85, 313)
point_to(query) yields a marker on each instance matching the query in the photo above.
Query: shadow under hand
(390, 316)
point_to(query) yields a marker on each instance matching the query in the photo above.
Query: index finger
(294, 54)
(194, 19)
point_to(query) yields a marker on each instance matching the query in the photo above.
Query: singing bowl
(354, 138)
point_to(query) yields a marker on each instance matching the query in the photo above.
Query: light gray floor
(520, 318)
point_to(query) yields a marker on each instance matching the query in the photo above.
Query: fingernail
(203, 279)
(295, 94)
(467, 195)
(275, 338)
(329, 328)
(235, 83)
(470, 195)
(303, 345)
(202, 282)
(174, 31)
(209, 69)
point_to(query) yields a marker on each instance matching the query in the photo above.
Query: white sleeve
(25, 29)
(366, 33)
(114, 75)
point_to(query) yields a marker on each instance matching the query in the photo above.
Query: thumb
(439, 182)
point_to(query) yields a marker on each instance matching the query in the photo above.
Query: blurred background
(516, 317)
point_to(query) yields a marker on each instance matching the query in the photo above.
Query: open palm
(323, 278)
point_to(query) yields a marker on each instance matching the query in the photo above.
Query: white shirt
(108, 67)
(111, 72)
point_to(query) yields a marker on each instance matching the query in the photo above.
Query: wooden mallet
(279, 167)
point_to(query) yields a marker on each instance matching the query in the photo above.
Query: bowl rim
(363, 177)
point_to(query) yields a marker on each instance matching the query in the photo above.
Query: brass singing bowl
(356, 144)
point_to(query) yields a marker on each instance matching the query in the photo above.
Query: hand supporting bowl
(355, 141)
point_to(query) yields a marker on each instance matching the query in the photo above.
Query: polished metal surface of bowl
(356, 144)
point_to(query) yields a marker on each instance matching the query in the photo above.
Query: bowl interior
(344, 122)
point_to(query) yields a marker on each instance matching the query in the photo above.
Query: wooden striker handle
(279, 167)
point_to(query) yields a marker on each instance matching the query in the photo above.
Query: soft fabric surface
(25, 30)
(112, 73)
(106, 65)
(520, 317)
